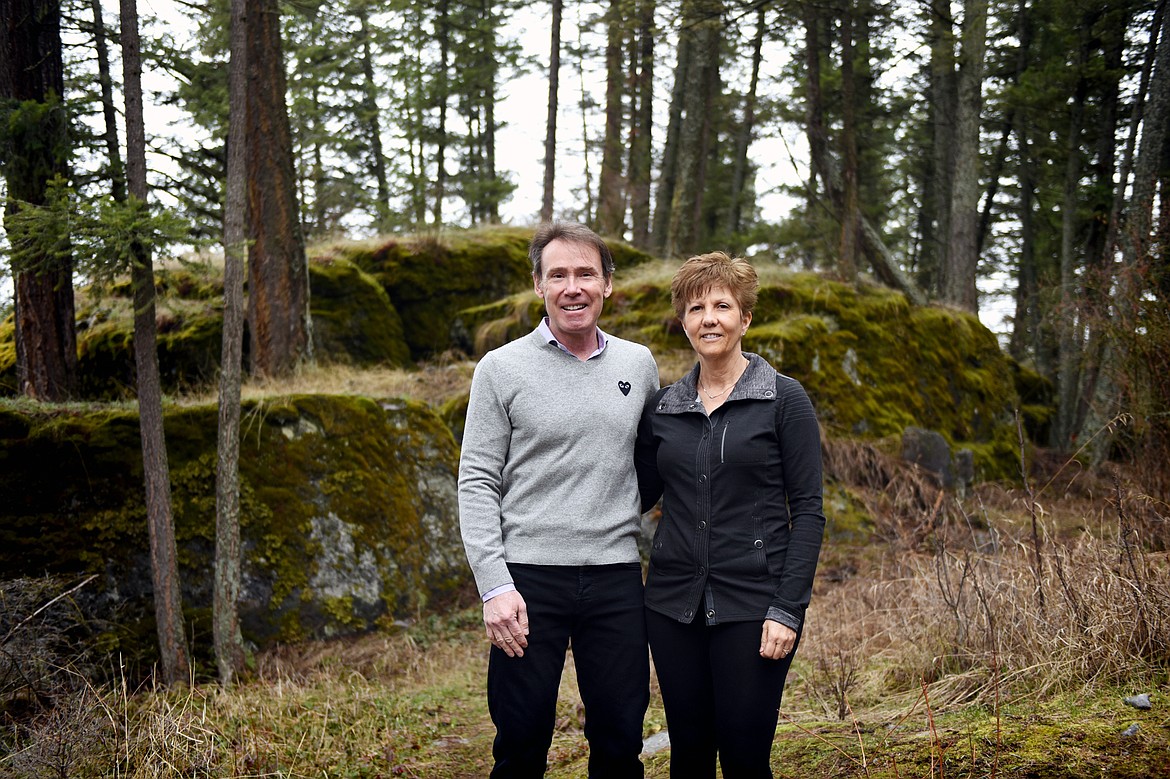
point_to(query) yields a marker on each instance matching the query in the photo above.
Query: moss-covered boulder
(354, 323)
(432, 279)
(349, 510)
(872, 363)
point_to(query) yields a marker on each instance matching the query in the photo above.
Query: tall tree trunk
(1026, 324)
(31, 77)
(814, 109)
(958, 272)
(1068, 354)
(583, 104)
(823, 166)
(373, 117)
(746, 131)
(278, 275)
(442, 91)
(702, 25)
(642, 126)
(943, 104)
(489, 148)
(229, 645)
(415, 135)
(611, 200)
(1098, 244)
(851, 200)
(1138, 235)
(168, 606)
(109, 110)
(550, 127)
(1137, 355)
(668, 174)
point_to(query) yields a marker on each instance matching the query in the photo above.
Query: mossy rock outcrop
(348, 511)
(354, 323)
(873, 363)
(432, 279)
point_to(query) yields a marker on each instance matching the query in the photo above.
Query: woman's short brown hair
(699, 275)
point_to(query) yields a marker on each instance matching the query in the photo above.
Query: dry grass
(434, 382)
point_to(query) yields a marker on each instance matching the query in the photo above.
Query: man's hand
(506, 619)
(777, 640)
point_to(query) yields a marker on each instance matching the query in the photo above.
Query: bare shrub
(905, 503)
(968, 621)
(73, 737)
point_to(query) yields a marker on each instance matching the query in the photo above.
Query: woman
(733, 448)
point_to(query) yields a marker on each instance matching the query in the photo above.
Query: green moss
(872, 363)
(353, 318)
(430, 279)
(8, 356)
(848, 519)
(341, 497)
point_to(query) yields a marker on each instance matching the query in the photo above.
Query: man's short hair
(572, 232)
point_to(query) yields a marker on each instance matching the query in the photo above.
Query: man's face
(573, 287)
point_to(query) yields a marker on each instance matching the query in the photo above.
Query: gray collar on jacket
(758, 382)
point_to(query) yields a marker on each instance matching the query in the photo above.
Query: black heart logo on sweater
(624, 386)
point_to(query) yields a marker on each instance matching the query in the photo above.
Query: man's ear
(536, 286)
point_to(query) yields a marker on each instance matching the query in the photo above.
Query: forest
(967, 155)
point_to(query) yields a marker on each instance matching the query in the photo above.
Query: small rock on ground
(1141, 701)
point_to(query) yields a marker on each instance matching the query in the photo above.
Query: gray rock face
(349, 514)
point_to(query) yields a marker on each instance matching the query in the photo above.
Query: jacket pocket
(735, 446)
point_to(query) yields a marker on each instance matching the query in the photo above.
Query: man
(549, 512)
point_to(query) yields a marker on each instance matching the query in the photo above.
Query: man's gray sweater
(546, 474)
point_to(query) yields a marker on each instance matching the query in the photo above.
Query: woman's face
(715, 323)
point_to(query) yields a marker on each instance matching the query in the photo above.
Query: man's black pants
(598, 608)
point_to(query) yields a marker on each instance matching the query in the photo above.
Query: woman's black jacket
(742, 514)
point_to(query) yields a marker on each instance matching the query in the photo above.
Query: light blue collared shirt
(547, 334)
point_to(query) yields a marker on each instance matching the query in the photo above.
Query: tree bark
(550, 127)
(746, 131)
(851, 200)
(278, 276)
(668, 173)
(960, 267)
(1068, 356)
(642, 126)
(31, 74)
(442, 90)
(168, 606)
(702, 27)
(938, 188)
(109, 110)
(229, 645)
(374, 121)
(611, 200)
(814, 109)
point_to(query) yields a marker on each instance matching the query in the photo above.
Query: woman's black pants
(721, 697)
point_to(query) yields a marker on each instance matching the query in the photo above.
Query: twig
(821, 738)
(32, 616)
(933, 733)
(1039, 562)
